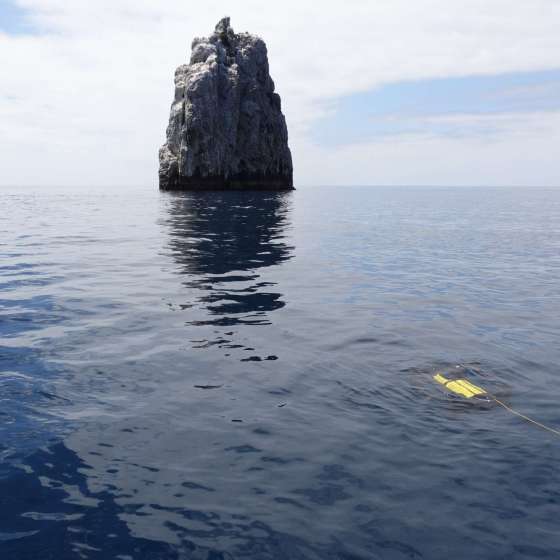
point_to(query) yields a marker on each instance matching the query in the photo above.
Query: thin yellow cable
(530, 420)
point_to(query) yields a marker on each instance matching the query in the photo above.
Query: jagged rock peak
(223, 28)
(226, 128)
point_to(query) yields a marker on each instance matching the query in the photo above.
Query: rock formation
(226, 128)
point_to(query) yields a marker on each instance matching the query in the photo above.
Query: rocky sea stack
(226, 129)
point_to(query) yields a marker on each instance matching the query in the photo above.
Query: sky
(385, 92)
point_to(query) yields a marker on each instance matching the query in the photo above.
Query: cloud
(516, 149)
(493, 127)
(474, 105)
(85, 99)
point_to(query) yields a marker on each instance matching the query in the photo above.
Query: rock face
(226, 129)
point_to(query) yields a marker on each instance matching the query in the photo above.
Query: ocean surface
(250, 375)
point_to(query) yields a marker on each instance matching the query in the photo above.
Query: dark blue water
(237, 375)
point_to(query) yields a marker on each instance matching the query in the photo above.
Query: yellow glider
(460, 386)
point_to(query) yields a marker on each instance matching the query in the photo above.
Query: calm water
(224, 375)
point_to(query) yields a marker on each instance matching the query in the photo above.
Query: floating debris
(208, 386)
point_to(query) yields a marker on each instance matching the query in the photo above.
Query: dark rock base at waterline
(240, 182)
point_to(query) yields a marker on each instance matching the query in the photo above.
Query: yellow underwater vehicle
(456, 384)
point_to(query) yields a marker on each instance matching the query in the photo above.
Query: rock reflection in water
(221, 241)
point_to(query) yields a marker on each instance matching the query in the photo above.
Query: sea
(250, 375)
